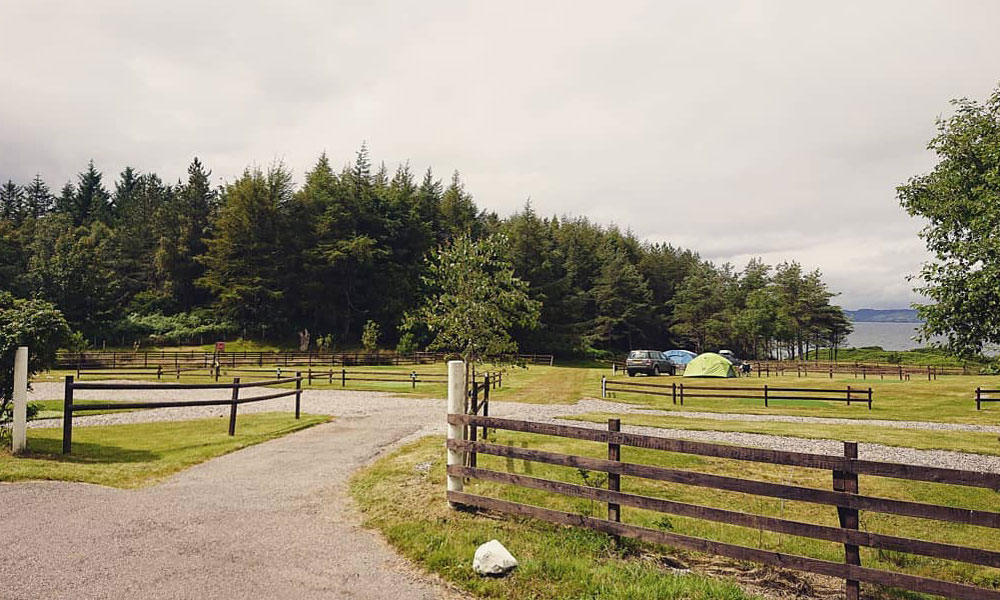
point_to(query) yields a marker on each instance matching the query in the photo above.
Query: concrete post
(456, 405)
(20, 400)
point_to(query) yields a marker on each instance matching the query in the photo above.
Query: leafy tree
(370, 336)
(74, 268)
(960, 202)
(699, 309)
(476, 301)
(36, 324)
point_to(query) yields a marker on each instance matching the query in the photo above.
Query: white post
(20, 400)
(456, 405)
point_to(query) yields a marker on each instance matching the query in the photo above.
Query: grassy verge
(134, 455)
(402, 495)
(407, 504)
(959, 441)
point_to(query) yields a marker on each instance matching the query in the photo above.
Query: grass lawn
(128, 456)
(959, 441)
(407, 504)
(949, 399)
(403, 496)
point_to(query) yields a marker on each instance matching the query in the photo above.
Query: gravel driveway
(273, 520)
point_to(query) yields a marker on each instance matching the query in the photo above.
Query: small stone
(493, 559)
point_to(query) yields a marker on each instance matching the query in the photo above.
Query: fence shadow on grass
(87, 452)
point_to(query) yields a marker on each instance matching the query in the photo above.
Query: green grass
(128, 456)
(958, 441)
(402, 496)
(949, 399)
(408, 506)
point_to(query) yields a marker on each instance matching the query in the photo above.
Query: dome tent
(680, 357)
(709, 364)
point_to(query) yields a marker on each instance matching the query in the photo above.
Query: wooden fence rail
(69, 408)
(845, 497)
(678, 392)
(984, 396)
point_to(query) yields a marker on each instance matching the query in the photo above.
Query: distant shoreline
(893, 315)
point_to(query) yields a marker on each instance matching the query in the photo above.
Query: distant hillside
(894, 315)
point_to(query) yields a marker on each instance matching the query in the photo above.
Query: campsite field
(948, 399)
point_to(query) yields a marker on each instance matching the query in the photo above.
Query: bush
(407, 344)
(370, 336)
(182, 328)
(32, 323)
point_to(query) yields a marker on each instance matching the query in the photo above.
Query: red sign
(220, 346)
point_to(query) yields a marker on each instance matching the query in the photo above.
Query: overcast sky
(738, 129)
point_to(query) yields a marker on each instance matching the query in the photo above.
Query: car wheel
(631, 373)
(656, 371)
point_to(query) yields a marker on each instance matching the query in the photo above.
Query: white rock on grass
(493, 559)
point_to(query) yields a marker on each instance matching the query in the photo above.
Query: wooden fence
(678, 392)
(856, 369)
(844, 496)
(69, 408)
(192, 358)
(985, 396)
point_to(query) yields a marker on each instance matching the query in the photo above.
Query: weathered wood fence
(985, 396)
(69, 408)
(678, 392)
(844, 496)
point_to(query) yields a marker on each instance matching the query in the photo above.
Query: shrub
(370, 336)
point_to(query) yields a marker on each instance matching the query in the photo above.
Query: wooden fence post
(765, 395)
(19, 431)
(343, 377)
(978, 398)
(614, 479)
(604, 386)
(869, 398)
(848, 395)
(67, 415)
(847, 481)
(232, 408)
(673, 392)
(682, 394)
(413, 379)
(298, 391)
(456, 405)
(486, 400)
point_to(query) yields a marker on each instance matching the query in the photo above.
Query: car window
(639, 354)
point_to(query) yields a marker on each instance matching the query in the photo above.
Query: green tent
(709, 364)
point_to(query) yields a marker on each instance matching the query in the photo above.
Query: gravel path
(270, 521)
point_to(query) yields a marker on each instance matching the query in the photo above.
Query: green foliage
(157, 329)
(370, 336)
(353, 245)
(960, 202)
(476, 300)
(33, 323)
(407, 344)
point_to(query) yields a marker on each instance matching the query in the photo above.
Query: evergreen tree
(244, 261)
(38, 200)
(12, 202)
(91, 201)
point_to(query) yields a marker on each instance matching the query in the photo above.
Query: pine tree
(91, 202)
(38, 199)
(12, 202)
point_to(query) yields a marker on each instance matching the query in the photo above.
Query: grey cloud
(776, 128)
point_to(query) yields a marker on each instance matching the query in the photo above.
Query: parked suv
(650, 362)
